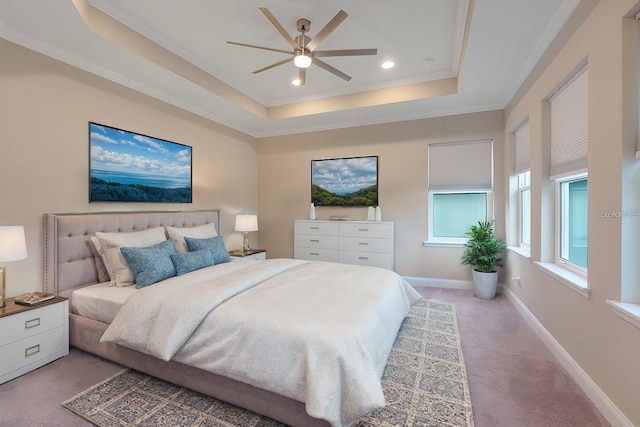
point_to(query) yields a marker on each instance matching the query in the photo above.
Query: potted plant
(484, 252)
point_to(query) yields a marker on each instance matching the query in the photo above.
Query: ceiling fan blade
(284, 61)
(328, 29)
(279, 27)
(331, 69)
(302, 76)
(345, 52)
(261, 47)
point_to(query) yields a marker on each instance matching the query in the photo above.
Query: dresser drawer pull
(32, 350)
(363, 229)
(32, 323)
(314, 228)
(314, 253)
(363, 243)
(314, 240)
(363, 257)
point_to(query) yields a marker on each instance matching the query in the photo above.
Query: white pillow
(103, 274)
(110, 244)
(199, 232)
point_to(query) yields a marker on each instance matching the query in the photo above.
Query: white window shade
(461, 166)
(522, 148)
(569, 127)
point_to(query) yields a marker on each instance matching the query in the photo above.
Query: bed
(331, 376)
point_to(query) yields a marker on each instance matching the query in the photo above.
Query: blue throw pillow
(213, 244)
(190, 261)
(151, 264)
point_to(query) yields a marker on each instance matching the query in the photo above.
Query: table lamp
(13, 247)
(246, 223)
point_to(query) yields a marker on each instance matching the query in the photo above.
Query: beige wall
(44, 110)
(284, 188)
(604, 346)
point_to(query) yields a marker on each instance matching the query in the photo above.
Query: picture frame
(126, 166)
(345, 182)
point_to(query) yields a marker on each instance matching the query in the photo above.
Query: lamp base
(245, 242)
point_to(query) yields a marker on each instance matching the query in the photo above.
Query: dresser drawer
(312, 254)
(372, 259)
(20, 354)
(363, 244)
(317, 228)
(367, 229)
(31, 322)
(316, 241)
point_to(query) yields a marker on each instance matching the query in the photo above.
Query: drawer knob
(314, 240)
(32, 350)
(314, 228)
(363, 243)
(32, 323)
(363, 229)
(363, 257)
(314, 253)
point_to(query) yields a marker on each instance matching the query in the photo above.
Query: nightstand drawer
(20, 354)
(31, 322)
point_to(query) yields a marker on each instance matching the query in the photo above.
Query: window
(454, 213)
(460, 189)
(524, 209)
(572, 224)
(521, 169)
(568, 168)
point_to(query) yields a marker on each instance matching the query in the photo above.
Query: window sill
(571, 280)
(626, 311)
(429, 244)
(523, 254)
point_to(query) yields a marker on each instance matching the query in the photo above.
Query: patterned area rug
(424, 382)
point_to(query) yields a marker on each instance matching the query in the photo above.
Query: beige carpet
(424, 383)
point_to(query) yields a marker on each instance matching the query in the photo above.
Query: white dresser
(32, 336)
(348, 242)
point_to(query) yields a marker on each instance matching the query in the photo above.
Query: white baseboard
(440, 283)
(606, 407)
(430, 282)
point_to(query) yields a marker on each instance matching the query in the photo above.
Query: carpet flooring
(424, 383)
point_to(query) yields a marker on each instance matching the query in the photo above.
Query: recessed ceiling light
(296, 82)
(387, 64)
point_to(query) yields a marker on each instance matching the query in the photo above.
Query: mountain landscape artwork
(347, 182)
(129, 167)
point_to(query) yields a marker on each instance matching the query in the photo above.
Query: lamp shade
(246, 222)
(13, 246)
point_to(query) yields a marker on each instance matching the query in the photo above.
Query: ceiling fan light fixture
(301, 60)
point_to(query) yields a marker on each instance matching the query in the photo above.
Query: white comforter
(315, 332)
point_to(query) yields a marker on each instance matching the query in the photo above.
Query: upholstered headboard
(68, 258)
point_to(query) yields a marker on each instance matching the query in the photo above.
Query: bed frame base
(85, 333)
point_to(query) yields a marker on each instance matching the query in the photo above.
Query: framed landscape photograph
(125, 166)
(348, 182)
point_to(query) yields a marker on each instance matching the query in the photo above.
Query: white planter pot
(485, 284)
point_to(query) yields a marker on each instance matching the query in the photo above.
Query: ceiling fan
(304, 51)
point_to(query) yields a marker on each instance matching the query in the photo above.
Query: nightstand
(32, 336)
(250, 254)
